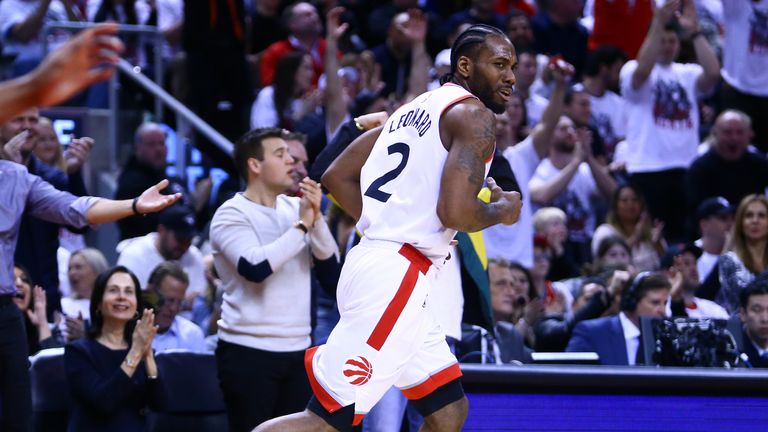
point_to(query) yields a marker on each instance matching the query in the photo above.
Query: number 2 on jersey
(374, 190)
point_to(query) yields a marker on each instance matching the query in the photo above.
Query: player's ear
(464, 67)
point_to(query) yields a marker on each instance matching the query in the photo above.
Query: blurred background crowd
(643, 172)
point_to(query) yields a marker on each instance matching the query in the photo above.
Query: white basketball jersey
(400, 181)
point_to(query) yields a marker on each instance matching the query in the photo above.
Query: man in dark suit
(616, 339)
(754, 316)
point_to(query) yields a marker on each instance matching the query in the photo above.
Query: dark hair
(532, 293)
(514, 13)
(604, 55)
(285, 81)
(467, 44)
(759, 286)
(250, 146)
(610, 242)
(167, 268)
(640, 285)
(612, 218)
(97, 320)
(296, 136)
(572, 91)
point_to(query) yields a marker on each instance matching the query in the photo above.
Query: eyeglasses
(169, 301)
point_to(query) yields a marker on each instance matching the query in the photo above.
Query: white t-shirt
(705, 264)
(608, 117)
(141, 257)
(534, 107)
(401, 178)
(515, 242)
(702, 308)
(264, 112)
(663, 130)
(13, 12)
(575, 200)
(74, 307)
(745, 46)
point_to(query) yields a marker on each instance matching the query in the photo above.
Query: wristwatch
(300, 225)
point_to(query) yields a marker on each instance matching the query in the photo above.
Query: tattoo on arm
(472, 157)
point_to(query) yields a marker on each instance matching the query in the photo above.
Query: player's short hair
(250, 146)
(468, 44)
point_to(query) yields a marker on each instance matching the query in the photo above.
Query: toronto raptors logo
(358, 371)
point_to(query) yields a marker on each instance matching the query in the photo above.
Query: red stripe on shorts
(358, 419)
(419, 264)
(326, 400)
(434, 382)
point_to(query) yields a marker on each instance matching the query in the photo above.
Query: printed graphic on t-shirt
(602, 123)
(672, 107)
(569, 202)
(758, 32)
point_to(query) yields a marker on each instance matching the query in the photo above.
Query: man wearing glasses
(167, 286)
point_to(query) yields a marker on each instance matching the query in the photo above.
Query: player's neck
(260, 194)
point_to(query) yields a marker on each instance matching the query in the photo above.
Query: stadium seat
(50, 393)
(191, 399)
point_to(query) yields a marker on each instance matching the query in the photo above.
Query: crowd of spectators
(636, 135)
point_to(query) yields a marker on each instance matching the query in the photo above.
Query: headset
(630, 298)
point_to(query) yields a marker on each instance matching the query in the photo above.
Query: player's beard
(486, 94)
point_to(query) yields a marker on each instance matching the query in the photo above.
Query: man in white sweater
(263, 245)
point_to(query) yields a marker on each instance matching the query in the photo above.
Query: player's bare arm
(342, 178)
(468, 130)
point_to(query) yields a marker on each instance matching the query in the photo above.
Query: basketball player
(411, 184)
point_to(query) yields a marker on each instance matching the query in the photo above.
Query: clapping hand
(311, 196)
(145, 332)
(37, 313)
(78, 152)
(75, 327)
(12, 148)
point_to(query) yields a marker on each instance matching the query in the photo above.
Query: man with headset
(616, 339)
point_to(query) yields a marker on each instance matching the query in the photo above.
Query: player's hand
(510, 203)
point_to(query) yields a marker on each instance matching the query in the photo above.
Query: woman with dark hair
(32, 304)
(288, 99)
(748, 252)
(628, 218)
(112, 372)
